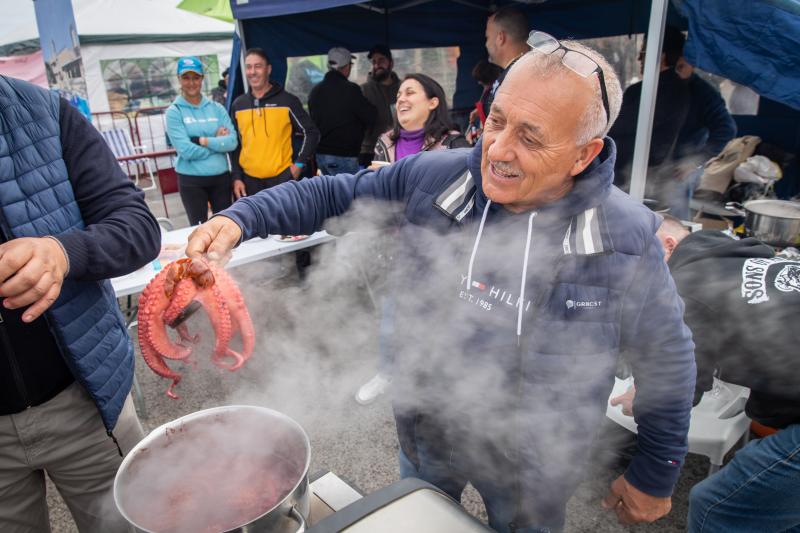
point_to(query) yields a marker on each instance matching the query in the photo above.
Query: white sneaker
(373, 388)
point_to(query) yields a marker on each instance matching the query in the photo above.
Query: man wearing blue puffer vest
(202, 134)
(524, 274)
(70, 219)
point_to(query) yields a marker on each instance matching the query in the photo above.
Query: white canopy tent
(122, 29)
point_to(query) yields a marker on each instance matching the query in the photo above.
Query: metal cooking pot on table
(775, 222)
(234, 469)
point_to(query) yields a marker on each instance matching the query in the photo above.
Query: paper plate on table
(290, 238)
(171, 252)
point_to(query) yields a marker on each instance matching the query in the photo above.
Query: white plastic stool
(717, 422)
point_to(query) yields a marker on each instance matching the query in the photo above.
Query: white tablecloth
(247, 252)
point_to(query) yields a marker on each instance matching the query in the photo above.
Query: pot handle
(736, 208)
(297, 515)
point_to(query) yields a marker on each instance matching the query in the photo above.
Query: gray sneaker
(373, 388)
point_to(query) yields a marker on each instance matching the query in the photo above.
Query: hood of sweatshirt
(591, 187)
(707, 244)
(275, 90)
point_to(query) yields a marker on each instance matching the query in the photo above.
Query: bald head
(671, 233)
(592, 122)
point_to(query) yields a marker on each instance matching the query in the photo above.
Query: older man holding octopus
(525, 275)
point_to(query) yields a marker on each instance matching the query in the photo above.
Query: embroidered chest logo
(584, 304)
(488, 297)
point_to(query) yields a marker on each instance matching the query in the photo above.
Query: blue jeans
(497, 499)
(759, 490)
(330, 165)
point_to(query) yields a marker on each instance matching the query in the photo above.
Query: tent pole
(241, 55)
(647, 104)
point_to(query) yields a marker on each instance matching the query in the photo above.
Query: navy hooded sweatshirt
(517, 320)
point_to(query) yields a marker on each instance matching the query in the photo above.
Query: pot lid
(774, 208)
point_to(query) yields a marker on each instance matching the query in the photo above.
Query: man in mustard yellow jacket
(266, 118)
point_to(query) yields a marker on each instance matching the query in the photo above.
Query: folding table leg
(138, 398)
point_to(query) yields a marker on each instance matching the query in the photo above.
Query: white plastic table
(247, 252)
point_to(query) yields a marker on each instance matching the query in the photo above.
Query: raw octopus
(167, 296)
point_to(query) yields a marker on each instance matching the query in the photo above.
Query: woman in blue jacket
(202, 133)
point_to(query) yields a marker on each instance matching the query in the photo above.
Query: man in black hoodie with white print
(742, 303)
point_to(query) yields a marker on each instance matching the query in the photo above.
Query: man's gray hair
(593, 124)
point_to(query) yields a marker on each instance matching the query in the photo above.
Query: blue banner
(58, 38)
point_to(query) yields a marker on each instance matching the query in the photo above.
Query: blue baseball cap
(190, 64)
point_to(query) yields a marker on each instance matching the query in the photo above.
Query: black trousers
(198, 191)
(253, 185)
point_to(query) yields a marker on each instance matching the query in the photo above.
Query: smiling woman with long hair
(422, 122)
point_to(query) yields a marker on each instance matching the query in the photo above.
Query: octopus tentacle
(183, 332)
(152, 329)
(240, 317)
(213, 301)
(169, 294)
(159, 366)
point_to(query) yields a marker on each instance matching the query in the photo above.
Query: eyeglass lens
(580, 64)
(543, 42)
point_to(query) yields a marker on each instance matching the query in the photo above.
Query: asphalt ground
(304, 371)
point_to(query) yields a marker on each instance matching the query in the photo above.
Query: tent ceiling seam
(372, 8)
(471, 4)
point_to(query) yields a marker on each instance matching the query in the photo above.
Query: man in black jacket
(381, 91)
(342, 114)
(742, 303)
(672, 106)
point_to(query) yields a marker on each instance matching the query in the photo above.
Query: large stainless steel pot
(776, 222)
(234, 468)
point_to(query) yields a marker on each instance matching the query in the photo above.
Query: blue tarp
(755, 43)
(283, 32)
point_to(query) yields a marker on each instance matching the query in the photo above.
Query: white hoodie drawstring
(477, 241)
(524, 276)
(521, 304)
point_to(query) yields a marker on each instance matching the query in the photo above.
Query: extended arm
(295, 208)
(664, 368)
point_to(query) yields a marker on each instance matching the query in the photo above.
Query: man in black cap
(381, 91)
(342, 114)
